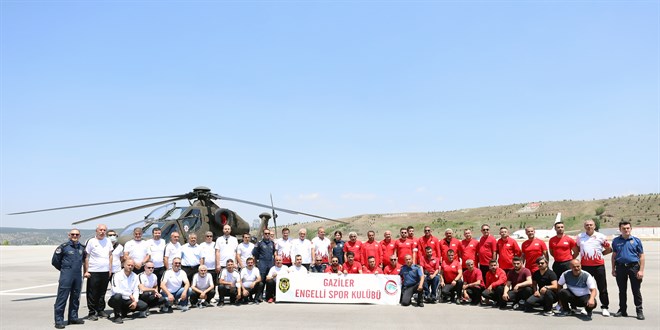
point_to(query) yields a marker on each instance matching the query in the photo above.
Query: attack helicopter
(201, 215)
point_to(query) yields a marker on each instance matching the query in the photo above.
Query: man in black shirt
(544, 283)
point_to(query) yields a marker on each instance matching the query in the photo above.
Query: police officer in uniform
(68, 259)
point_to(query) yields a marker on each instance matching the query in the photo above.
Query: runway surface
(28, 284)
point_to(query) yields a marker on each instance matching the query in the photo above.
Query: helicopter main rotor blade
(274, 208)
(274, 214)
(131, 209)
(95, 204)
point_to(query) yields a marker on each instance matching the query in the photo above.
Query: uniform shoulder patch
(60, 248)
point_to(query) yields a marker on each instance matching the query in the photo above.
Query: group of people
(145, 274)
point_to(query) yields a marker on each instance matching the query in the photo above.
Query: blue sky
(336, 108)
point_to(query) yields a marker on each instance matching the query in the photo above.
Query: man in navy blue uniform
(628, 263)
(68, 259)
(412, 280)
(264, 252)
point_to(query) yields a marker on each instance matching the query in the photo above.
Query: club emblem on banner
(284, 285)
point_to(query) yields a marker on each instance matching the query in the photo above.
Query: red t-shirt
(371, 249)
(487, 246)
(471, 276)
(340, 269)
(561, 248)
(367, 270)
(453, 244)
(431, 241)
(389, 270)
(355, 248)
(506, 250)
(352, 268)
(450, 270)
(497, 279)
(469, 251)
(404, 247)
(429, 264)
(386, 251)
(532, 250)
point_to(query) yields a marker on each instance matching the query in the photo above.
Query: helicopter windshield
(190, 222)
(160, 211)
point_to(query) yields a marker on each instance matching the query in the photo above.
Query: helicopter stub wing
(216, 196)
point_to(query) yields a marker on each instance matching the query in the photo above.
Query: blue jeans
(177, 297)
(433, 291)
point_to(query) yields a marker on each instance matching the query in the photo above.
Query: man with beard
(507, 249)
(518, 284)
(486, 249)
(544, 284)
(532, 249)
(562, 250)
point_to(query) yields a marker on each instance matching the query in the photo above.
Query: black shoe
(92, 317)
(420, 304)
(103, 314)
(59, 326)
(640, 315)
(76, 321)
(117, 320)
(220, 304)
(620, 313)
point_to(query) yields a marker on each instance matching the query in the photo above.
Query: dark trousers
(522, 294)
(213, 274)
(194, 297)
(159, 274)
(623, 273)
(546, 300)
(151, 300)
(475, 294)
(567, 298)
(121, 305)
(559, 267)
(97, 285)
(270, 289)
(495, 294)
(598, 272)
(190, 272)
(431, 287)
(407, 293)
(231, 292)
(452, 291)
(256, 291)
(70, 284)
(484, 270)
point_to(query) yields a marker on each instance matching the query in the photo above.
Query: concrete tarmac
(28, 285)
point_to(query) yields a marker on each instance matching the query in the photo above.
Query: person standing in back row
(593, 246)
(98, 269)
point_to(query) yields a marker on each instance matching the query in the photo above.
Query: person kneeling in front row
(125, 293)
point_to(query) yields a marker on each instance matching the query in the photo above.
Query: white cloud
(356, 196)
(420, 189)
(309, 197)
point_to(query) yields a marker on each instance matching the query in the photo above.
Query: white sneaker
(606, 313)
(184, 308)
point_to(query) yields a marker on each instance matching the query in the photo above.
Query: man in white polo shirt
(172, 250)
(253, 286)
(149, 292)
(136, 249)
(125, 294)
(175, 287)
(202, 287)
(208, 255)
(303, 247)
(156, 252)
(229, 284)
(225, 248)
(244, 251)
(98, 269)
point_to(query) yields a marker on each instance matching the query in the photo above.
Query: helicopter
(202, 215)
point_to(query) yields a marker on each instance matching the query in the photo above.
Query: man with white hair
(449, 243)
(98, 269)
(303, 247)
(202, 288)
(175, 287)
(136, 249)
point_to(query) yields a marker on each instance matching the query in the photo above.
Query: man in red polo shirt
(562, 250)
(486, 249)
(404, 246)
(495, 281)
(393, 268)
(468, 248)
(353, 245)
(452, 278)
(386, 248)
(429, 240)
(473, 283)
(371, 267)
(334, 267)
(351, 266)
(532, 249)
(371, 248)
(449, 243)
(507, 248)
(431, 267)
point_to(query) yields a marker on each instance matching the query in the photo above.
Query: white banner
(339, 288)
